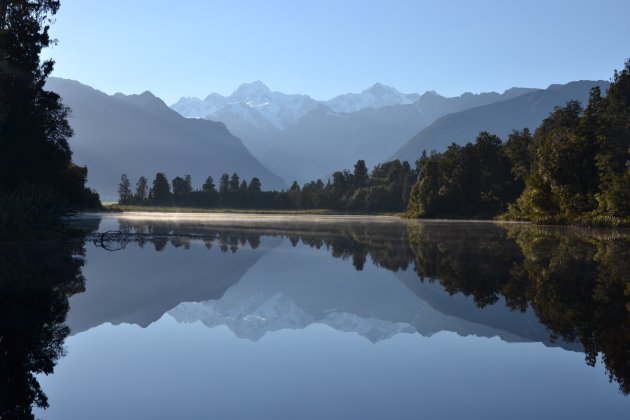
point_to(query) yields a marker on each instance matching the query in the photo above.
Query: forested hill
(574, 169)
(139, 134)
(498, 118)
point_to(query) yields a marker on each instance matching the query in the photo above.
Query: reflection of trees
(576, 281)
(36, 281)
(477, 260)
(579, 286)
(385, 247)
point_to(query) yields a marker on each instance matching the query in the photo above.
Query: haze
(325, 48)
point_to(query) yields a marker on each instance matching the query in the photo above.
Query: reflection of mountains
(377, 306)
(566, 287)
(139, 285)
(144, 281)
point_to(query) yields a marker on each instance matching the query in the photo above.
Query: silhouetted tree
(360, 175)
(209, 186)
(254, 186)
(124, 190)
(34, 129)
(142, 190)
(294, 194)
(182, 186)
(160, 193)
(224, 183)
(234, 183)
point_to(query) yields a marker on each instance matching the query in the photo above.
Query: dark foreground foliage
(36, 280)
(35, 159)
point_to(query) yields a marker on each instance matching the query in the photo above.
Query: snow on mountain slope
(377, 96)
(260, 314)
(263, 106)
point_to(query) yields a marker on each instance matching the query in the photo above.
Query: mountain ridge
(141, 135)
(523, 111)
(322, 141)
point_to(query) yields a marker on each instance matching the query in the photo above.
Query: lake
(191, 316)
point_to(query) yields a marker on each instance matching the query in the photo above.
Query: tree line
(385, 188)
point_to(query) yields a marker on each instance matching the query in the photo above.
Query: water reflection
(36, 281)
(567, 288)
(575, 281)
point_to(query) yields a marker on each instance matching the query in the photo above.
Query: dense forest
(573, 169)
(385, 189)
(38, 181)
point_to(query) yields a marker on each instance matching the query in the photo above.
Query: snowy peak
(254, 317)
(379, 90)
(196, 108)
(241, 112)
(377, 96)
(255, 91)
(267, 108)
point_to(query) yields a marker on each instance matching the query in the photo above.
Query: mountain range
(280, 138)
(524, 111)
(300, 138)
(141, 135)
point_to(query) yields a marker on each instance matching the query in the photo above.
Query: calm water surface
(239, 317)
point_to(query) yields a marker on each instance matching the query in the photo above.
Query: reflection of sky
(184, 371)
(173, 370)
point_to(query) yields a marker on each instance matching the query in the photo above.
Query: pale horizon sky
(324, 48)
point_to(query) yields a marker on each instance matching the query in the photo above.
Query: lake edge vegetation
(573, 169)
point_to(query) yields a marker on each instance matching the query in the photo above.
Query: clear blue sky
(327, 47)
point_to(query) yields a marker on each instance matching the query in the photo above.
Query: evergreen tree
(517, 149)
(209, 186)
(224, 183)
(613, 157)
(182, 186)
(254, 186)
(124, 190)
(294, 194)
(141, 190)
(360, 175)
(234, 183)
(161, 190)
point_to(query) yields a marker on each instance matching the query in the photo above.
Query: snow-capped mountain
(377, 96)
(254, 102)
(302, 139)
(261, 314)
